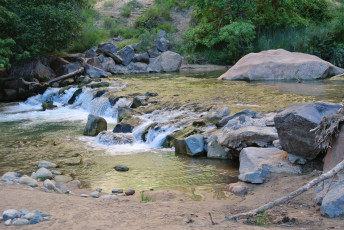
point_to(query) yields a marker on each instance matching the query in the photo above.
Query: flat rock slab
(280, 64)
(256, 163)
(294, 125)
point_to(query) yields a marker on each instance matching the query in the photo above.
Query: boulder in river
(192, 146)
(95, 125)
(215, 150)
(142, 57)
(256, 163)
(108, 48)
(294, 125)
(123, 128)
(170, 61)
(280, 64)
(95, 72)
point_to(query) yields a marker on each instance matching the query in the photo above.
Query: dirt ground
(170, 210)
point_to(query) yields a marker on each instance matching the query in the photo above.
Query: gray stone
(95, 62)
(75, 184)
(108, 65)
(237, 139)
(20, 222)
(74, 57)
(10, 214)
(62, 187)
(42, 173)
(154, 65)
(95, 194)
(256, 163)
(333, 202)
(170, 61)
(95, 125)
(280, 64)
(109, 197)
(215, 150)
(162, 44)
(95, 72)
(142, 57)
(84, 195)
(137, 67)
(10, 176)
(296, 159)
(108, 48)
(277, 144)
(99, 190)
(192, 146)
(153, 52)
(70, 67)
(8, 222)
(217, 114)
(246, 112)
(46, 164)
(28, 180)
(91, 52)
(239, 188)
(49, 184)
(86, 80)
(23, 212)
(119, 69)
(294, 125)
(127, 54)
(121, 168)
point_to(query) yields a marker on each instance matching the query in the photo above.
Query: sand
(171, 210)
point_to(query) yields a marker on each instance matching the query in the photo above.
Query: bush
(109, 3)
(6, 52)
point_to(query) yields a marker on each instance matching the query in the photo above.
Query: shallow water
(28, 136)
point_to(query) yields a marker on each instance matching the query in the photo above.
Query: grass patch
(262, 219)
(145, 198)
(129, 7)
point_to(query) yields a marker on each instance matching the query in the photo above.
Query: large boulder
(280, 64)
(215, 150)
(256, 163)
(95, 125)
(170, 61)
(137, 67)
(91, 52)
(332, 204)
(108, 64)
(294, 125)
(246, 112)
(95, 72)
(237, 139)
(192, 146)
(108, 48)
(95, 62)
(127, 54)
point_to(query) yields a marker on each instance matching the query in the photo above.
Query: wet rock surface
(95, 125)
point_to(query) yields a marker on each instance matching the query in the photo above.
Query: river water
(29, 135)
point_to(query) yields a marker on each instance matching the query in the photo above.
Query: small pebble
(8, 222)
(99, 190)
(95, 194)
(84, 195)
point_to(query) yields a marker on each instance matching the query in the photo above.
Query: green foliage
(6, 53)
(262, 219)
(145, 198)
(242, 26)
(39, 27)
(130, 6)
(126, 11)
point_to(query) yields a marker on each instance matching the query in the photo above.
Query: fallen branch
(29, 83)
(339, 75)
(66, 76)
(339, 167)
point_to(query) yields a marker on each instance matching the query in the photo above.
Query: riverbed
(29, 135)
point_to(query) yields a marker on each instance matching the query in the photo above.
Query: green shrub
(6, 53)
(109, 3)
(126, 11)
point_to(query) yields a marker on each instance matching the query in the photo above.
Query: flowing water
(29, 135)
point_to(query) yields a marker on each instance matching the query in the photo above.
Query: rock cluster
(23, 217)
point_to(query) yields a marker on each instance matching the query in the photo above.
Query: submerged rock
(110, 138)
(280, 64)
(121, 168)
(95, 125)
(294, 125)
(256, 163)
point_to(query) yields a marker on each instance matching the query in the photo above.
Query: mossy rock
(75, 94)
(179, 134)
(64, 89)
(100, 85)
(199, 123)
(48, 105)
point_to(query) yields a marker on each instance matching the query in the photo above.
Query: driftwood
(29, 83)
(66, 76)
(290, 196)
